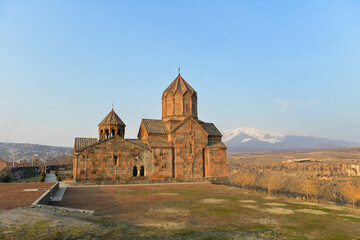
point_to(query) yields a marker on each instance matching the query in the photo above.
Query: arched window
(142, 171)
(115, 160)
(106, 133)
(135, 171)
(112, 132)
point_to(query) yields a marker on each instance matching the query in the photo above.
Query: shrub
(59, 178)
(56, 173)
(42, 179)
(6, 179)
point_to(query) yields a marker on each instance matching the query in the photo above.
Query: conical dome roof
(179, 84)
(112, 119)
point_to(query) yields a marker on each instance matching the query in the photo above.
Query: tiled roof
(81, 143)
(138, 142)
(179, 84)
(217, 145)
(159, 144)
(211, 129)
(112, 119)
(155, 126)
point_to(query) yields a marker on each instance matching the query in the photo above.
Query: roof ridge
(112, 119)
(180, 84)
(151, 119)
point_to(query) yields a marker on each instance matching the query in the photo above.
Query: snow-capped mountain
(252, 133)
(246, 138)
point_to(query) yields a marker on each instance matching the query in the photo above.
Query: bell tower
(111, 126)
(179, 100)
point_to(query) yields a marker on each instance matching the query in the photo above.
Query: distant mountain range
(245, 138)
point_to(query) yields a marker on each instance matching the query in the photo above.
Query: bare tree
(309, 188)
(273, 180)
(244, 178)
(351, 192)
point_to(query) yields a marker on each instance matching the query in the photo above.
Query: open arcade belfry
(179, 147)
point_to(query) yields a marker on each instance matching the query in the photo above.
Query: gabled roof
(159, 144)
(112, 119)
(155, 126)
(179, 84)
(138, 142)
(81, 143)
(85, 143)
(211, 129)
(185, 120)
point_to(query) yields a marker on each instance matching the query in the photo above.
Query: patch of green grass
(32, 179)
(222, 211)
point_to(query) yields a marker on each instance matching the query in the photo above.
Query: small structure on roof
(179, 147)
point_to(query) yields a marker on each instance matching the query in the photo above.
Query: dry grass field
(348, 156)
(325, 176)
(193, 211)
(207, 211)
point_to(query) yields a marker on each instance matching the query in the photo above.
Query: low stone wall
(46, 197)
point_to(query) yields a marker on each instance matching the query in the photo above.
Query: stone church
(179, 147)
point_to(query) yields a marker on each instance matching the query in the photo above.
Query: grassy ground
(32, 179)
(205, 211)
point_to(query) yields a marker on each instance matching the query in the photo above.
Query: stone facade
(180, 147)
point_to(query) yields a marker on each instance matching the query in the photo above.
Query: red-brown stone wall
(194, 106)
(216, 162)
(98, 162)
(189, 142)
(162, 164)
(187, 104)
(143, 135)
(179, 106)
(178, 103)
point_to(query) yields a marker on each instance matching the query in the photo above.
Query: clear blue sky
(287, 66)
